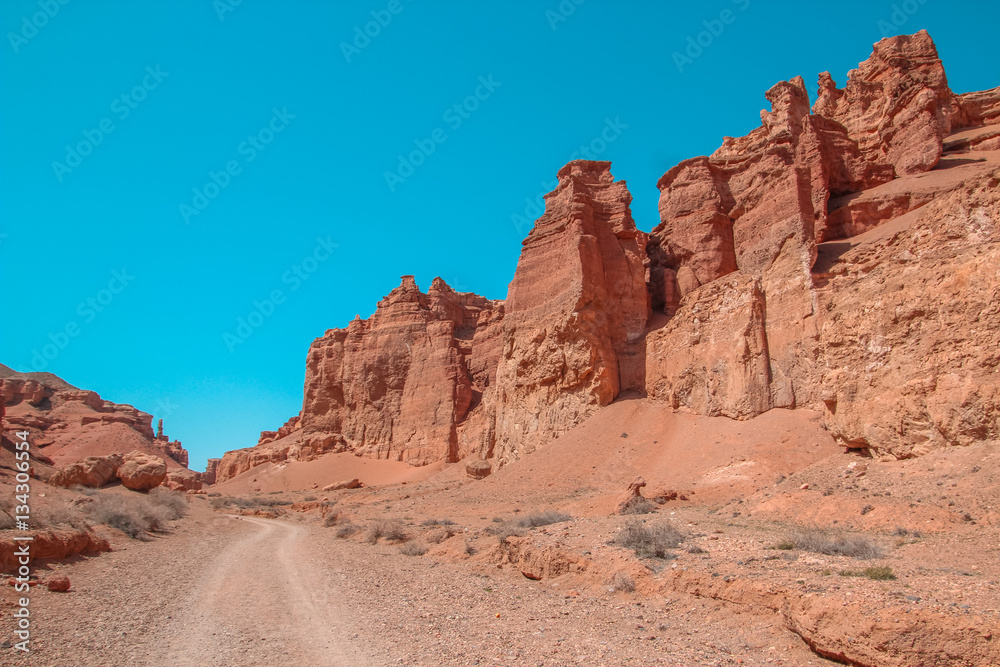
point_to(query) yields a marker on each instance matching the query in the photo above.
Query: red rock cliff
(397, 384)
(757, 322)
(576, 311)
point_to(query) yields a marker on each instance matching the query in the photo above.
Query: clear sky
(168, 168)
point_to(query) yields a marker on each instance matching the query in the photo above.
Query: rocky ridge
(79, 438)
(809, 263)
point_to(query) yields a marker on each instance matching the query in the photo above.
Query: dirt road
(261, 601)
(237, 592)
(219, 590)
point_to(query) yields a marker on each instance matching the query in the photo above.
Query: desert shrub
(248, 503)
(695, 549)
(622, 582)
(438, 522)
(57, 516)
(542, 519)
(638, 505)
(413, 549)
(214, 494)
(174, 503)
(880, 573)
(899, 531)
(649, 541)
(390, 531)
(345, 530)
(310, 499)
(85, 490)
(271, 502)
(832, 544)
(876, 573)
(469, 549)
(135, 515)
(506, 529)
(331, 519)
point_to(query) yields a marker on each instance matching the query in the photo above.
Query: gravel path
(260, 602)
(229, 591)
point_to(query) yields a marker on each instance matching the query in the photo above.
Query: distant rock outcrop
(70, 424)
(211, 468)
(396, 385)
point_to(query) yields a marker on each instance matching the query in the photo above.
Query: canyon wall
(839, 257)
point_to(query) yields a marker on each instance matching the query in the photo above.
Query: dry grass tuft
(137, 515)
(413, 549)
(832, 544)
(542, 519)
(649, 541)
(390, 531)
(622, 582)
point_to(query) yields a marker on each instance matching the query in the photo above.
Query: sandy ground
(218, 589)
(251, 591)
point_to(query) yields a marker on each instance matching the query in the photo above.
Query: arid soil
(270, 581)
(252, 591)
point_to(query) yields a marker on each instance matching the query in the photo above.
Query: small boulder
(478, 468)
(93, 471)
(183, 479)
(141, 472)
(58, 583)
(343, 484)
(632, 500)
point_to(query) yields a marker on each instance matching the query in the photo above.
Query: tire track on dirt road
(261, 602)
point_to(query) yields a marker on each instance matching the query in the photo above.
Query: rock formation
(287, 429)
(575, 315)
(183, 479)
(211, 468)
(55, 543)
(896, 105)
(70, 422)
(744, 298)
(757, 322)
(395, 385)
(910, 341)
(141, 472)
(93, 471)
(399, 385)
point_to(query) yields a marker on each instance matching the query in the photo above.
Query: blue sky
(170, 168)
